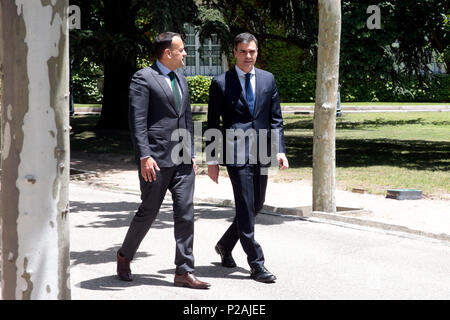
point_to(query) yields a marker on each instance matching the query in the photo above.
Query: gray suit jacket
(153, 117)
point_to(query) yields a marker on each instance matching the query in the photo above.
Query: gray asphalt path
(312, 260)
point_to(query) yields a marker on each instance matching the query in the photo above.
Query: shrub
(301, 87)
(199, 88)
(374, 90)
(87, 82)
(296, 87)
(85, 89)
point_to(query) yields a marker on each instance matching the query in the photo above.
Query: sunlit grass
(374, 151)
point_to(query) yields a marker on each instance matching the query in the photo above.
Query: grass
(374, 151)
(379, 151)
(78, 105)
(291, 104)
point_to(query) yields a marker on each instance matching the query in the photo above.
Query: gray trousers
(180, 181)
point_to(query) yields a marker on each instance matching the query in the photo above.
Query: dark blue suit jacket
(227, 103)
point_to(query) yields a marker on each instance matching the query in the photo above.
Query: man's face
(246, 54)
(177, 53)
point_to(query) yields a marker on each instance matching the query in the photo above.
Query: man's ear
(169, 53)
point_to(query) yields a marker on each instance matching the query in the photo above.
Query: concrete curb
(325, 217)
(301, 213)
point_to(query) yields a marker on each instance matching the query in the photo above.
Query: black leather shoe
(227, 259)
(261, 274)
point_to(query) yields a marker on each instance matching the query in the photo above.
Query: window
(206, 59)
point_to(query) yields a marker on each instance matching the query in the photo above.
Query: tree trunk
(324, 142)
(118, 73)
(119, 66)
(35, 149)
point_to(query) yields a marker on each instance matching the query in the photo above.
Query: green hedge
(375, 90)
(199, 88)
(301, 87)
(86, 89)
(296, 87)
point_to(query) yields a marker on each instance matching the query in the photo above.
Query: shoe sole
(265, 281)
(272, 280)
(124, 279)
(182, 284)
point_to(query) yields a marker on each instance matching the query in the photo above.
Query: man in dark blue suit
(246, 100)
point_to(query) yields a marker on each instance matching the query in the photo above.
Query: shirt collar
(164, 70)
(242, 73)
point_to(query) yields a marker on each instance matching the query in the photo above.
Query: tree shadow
(412, 154)
(93, 257)
(342, 123)
(85, 137)
(120, 214)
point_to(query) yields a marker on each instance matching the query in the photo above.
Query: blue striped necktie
(249, 96)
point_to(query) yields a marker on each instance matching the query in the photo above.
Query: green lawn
(288, 104)
(375, 151)
(379, 151)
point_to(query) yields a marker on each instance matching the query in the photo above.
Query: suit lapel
(164, 86)
(184, 92)
(237, 86)
(258, 90)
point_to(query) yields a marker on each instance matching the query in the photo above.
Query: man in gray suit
(159, 106)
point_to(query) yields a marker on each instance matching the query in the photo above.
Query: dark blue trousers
(249, 188)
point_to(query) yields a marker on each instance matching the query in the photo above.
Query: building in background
(206, 60)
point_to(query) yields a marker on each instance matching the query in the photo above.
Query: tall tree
(35, 149)
(291, 21)
(115, 34)
(324, 140)
(411, 32)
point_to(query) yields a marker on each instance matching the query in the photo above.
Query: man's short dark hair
(244, 38)
(164, 41)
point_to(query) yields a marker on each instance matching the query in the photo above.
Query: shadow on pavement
(113, 283)
(119, 214)
(215, 271)
(92, 257)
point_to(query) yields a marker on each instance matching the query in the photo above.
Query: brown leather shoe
(123, 268)
(190, 281)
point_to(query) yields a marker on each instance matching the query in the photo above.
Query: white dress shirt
(241, 75)
(165, 71)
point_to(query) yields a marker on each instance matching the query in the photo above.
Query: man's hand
(283, 162)
(148, 167)
(213, 172)
(194, 165)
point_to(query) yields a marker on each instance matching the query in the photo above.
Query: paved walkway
(427, 218)
(387, 249)
(311, 260)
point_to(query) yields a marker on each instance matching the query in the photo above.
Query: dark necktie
(249, 93)
(176, 92)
